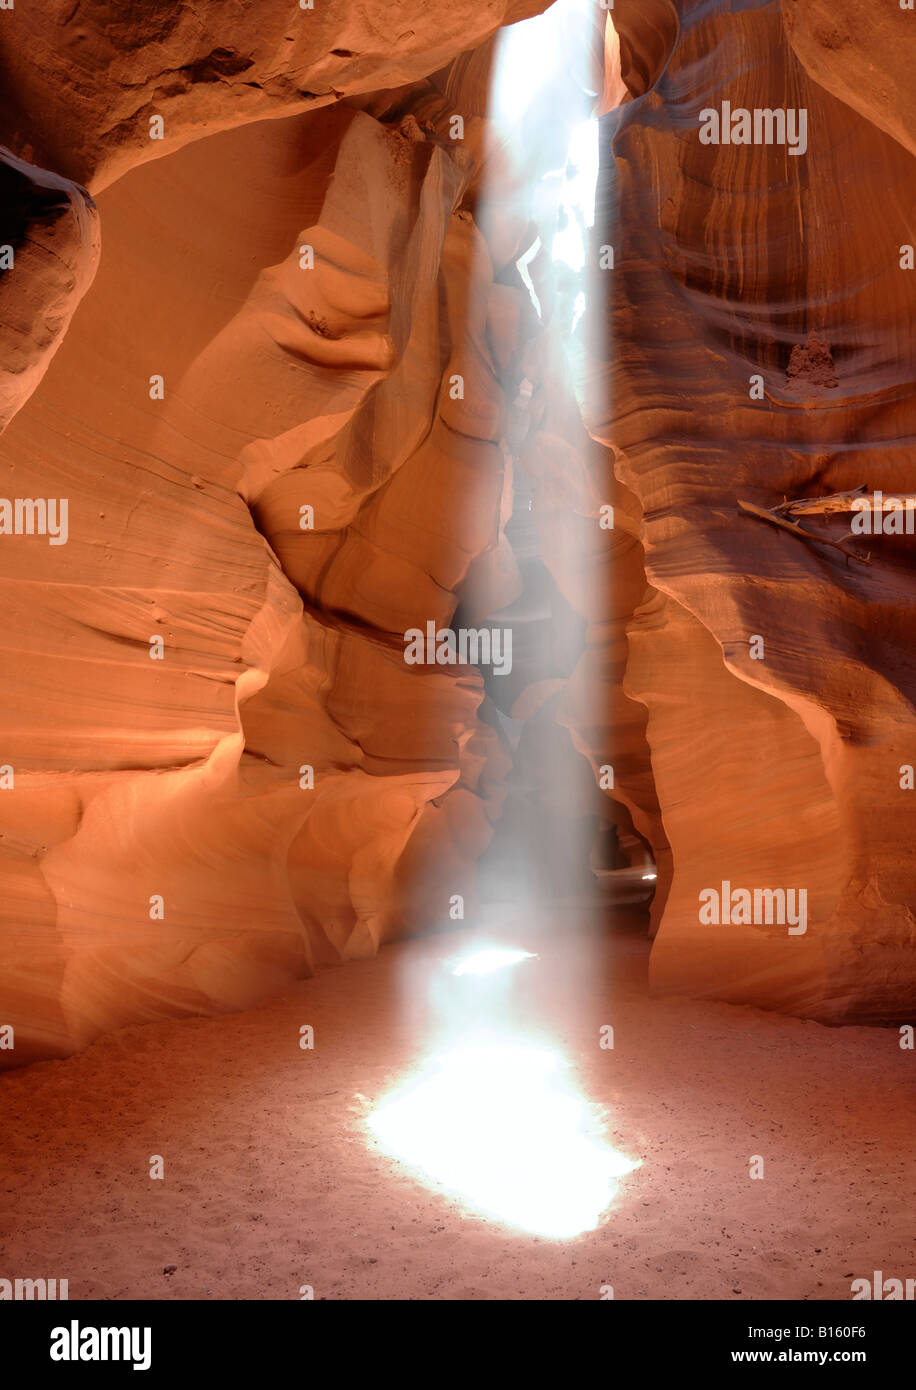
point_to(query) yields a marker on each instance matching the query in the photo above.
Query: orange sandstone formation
(307, 404)
(761, 348)
(222, 771)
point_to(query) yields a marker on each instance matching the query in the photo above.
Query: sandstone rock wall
(775, 763)
(223, 773)
(248, 402)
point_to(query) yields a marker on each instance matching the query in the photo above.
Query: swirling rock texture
(84, 80)
(218, 771)
(776, 762)
(214, 754)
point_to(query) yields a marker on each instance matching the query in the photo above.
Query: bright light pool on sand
(488, 959)
(499, 1124)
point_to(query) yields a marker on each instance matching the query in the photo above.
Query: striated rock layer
(221, 771)
(163, 829)
(777, 675)
(82, 83)
(307, 403)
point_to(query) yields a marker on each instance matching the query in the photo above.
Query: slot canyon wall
(219, 771)
(180, 369)
(778, 675)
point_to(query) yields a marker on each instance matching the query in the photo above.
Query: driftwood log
(807, 506)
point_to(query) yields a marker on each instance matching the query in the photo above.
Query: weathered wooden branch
(846, 502)
(794, 529)
(833, 502)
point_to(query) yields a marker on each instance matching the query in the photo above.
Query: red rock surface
(282, 386)
(286, 386)
(83, 81)
(863, 54)
(734, 261)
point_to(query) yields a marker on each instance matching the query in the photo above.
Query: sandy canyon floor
(273, 1180)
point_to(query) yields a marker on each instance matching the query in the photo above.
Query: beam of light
(649, 876)
(522, 264)
(575, 197)
(578, 310)
(488, 959)
(526, 55)
(494, 1117)
(582, 169)
(498, 1122)
(546, 82)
